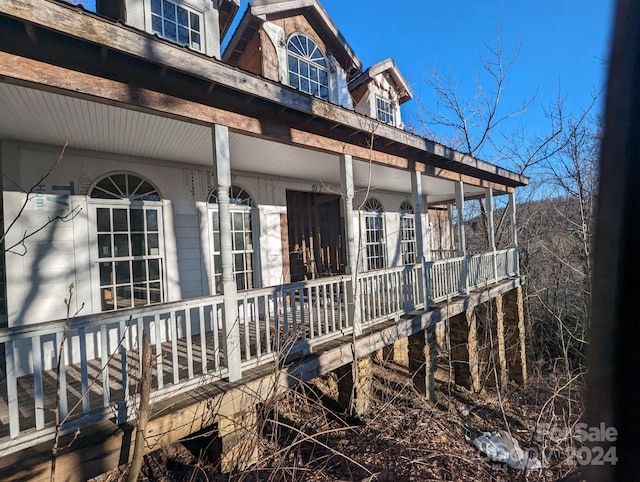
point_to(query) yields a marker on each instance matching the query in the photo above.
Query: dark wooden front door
(315, 235)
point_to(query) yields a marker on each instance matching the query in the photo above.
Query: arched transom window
(308, 70)
(374, 234)
(241, 238)
(407, 233)
(128, 222)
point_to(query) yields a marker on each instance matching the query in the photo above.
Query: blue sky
(564, 45)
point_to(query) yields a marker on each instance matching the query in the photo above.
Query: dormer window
(385, 112)
(308, 70)
(177, 23)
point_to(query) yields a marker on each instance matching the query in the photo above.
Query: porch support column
(355, 386)
(494, 352)
(346, 181)
(416, 192)
(222, 166)
(465, 357)
(514, 230)
(422, 361)
(515, 335)
(489, 207)
(238, 435)
(462, 248)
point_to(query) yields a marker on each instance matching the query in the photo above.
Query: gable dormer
(294, 42)
(379, 91)
(196, 24)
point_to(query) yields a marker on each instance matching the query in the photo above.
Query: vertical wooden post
(422, 361)
(416, 193)
(346, 181)
(222, 165)
(238, 435)
(489, 207)
(462, 248)
(514, 229)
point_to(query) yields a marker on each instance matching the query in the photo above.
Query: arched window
(407, 233)
(241, 238)
(308, 70)
(128, 220)
(374, 234)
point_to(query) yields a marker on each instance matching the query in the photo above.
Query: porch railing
(389, 293)
(101, 357)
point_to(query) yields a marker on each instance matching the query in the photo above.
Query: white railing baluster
(38, 393)
(63, 407)
(104, 357)
(84, 370)
(12, 390)
(173, 319)
(215, 326)
(123, 362)
(159, 356)
(267, 329)
(187, 320)
(203, 339)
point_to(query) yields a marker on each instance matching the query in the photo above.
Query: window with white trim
(128, 221)
(308, 71)
(374, 234)
(240, 208)
(407, 233)
(177, 23)
(385, 111)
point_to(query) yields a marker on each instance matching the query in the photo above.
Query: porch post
(462, 248)
(416, 193)
(489, 206)
(347, 191)
(514, 229)
(222, 167)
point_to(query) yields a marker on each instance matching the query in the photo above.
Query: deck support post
(238, 441)
(222, 167)
(494, 353)
(489, 207)
(515, 335)
(422, 361)
(347, 191)
(465, 356)
(462, 247)
(399, 352)
(355, 386)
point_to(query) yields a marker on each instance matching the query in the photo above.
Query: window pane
(137, 244)
(238, 262)
(121, 245)
(120, 220)
(156, 7)
(195, 22)
(169, 10)
(304, 85)
(104, 245)
(169, 30)
(154, 269)
(324, 92)
(304, 69)
(155, 294)
(152, 220)
(106, 295)
(183, 36)
(216, 241)
(120, 181)
(106, 274)
(195, 41)
(238, 241)
(153, 245)
(156, 24)
(183, 17)
(139, 271)
(294, 81)
(122, 272)
(240, 281)
(123, 294)
(136, 221)
(237, 221)
(140, 295)
(215, 221)
(104, 219)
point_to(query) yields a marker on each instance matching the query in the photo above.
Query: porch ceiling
(43, 117)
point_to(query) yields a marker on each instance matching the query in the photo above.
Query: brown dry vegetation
(404, 437)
